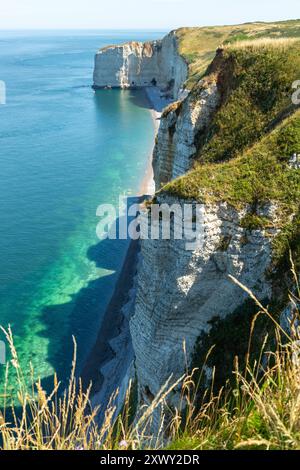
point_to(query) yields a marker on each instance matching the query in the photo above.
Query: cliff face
(180, 293)
(137, 64)
(181, 122)
(225, 145)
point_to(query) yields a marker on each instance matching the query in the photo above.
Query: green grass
(198, 45)
(256, 408)
(242, 157)
(257, 94)
(259, 175)
(242, 328)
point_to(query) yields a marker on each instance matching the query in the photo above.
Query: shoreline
(108, 365)
(156, 106)
(112, 354)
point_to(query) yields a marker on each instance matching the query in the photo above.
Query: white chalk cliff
(137, 64)
(181, 122)
(179, 292)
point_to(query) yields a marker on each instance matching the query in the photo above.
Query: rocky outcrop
(181, 123)
(185, 300)
(137, 64)
(179, 292)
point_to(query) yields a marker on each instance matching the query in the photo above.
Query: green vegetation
(245, 329)
(288, 240)
(259, 90)
(252, 221)
(198, 45)
(255, 409)
(243, 156)
(260, 175)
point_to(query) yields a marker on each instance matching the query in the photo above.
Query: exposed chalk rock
(137, 64)
(180, 291)
(180, 124)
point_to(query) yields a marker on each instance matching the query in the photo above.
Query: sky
(140, 14)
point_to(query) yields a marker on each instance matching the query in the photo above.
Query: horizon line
(83, 29)
(119, 29)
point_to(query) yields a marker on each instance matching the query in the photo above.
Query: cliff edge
(228, 146)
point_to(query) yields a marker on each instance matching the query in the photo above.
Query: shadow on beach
(84, 314)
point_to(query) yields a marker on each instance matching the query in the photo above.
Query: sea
(64, 150)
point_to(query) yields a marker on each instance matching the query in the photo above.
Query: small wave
(80, 86)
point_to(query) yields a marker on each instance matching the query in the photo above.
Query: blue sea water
(63, 151)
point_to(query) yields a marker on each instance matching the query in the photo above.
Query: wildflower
(123, 444)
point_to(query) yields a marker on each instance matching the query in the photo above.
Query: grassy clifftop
(243, 154)
(256, 124)
(260, 174)
(198, 45)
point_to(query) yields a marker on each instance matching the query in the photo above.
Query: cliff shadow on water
(137, 96)
(151, 98)
(92, 329)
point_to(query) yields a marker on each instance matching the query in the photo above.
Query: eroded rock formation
(137, 64)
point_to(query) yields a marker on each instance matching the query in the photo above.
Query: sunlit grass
(263, 43)
(261, 411)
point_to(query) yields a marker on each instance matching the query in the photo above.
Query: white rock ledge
(137, 64)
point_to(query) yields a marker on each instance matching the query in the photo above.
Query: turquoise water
(63, 151)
